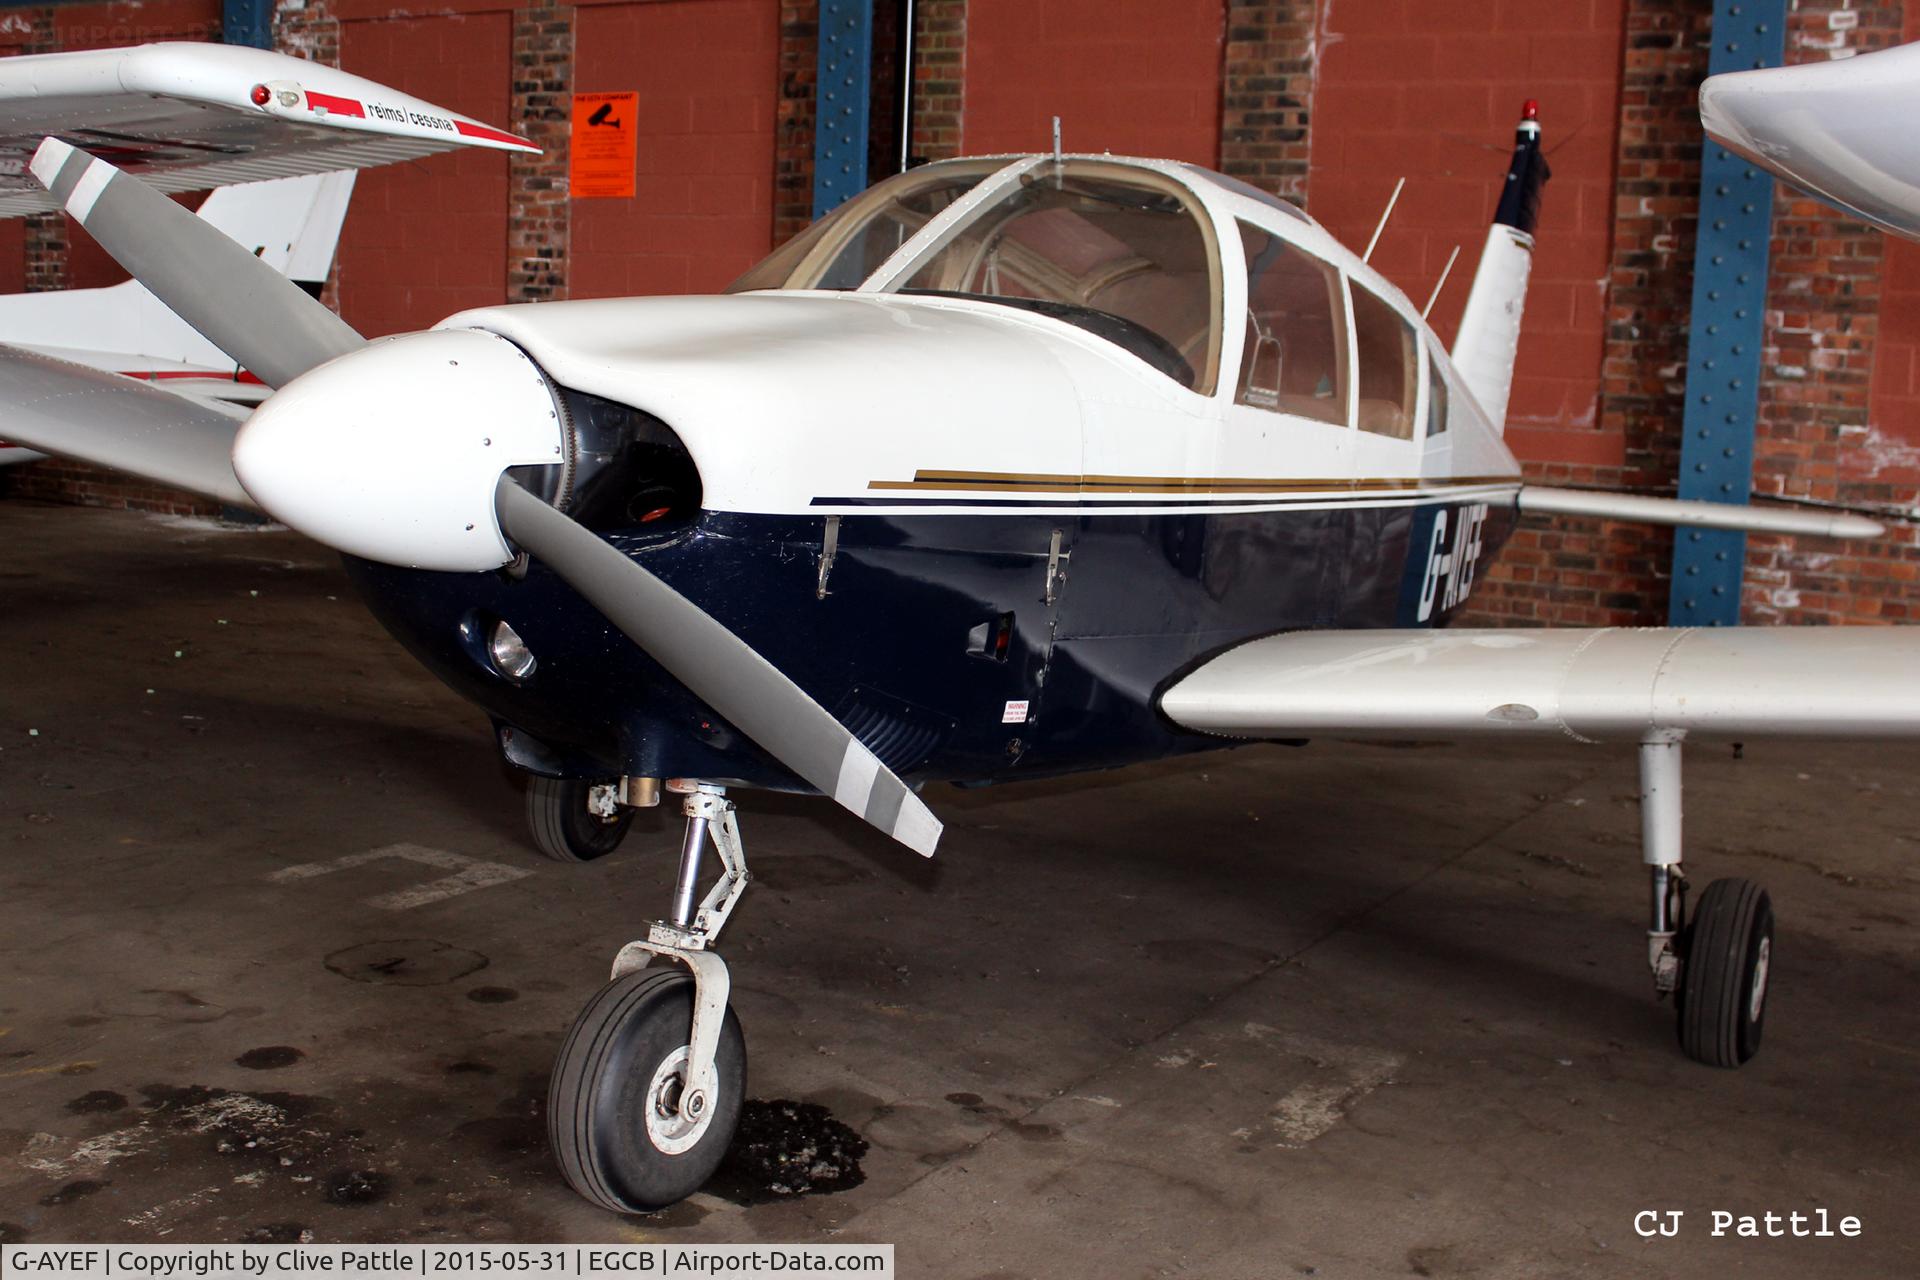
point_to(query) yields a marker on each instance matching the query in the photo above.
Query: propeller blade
(721, 669)
(243, 306)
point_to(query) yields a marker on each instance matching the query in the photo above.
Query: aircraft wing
(187, 117)
(1591, 685)
(1842, 130)
(94, 416)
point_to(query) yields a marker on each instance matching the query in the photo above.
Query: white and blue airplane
(1012, 466)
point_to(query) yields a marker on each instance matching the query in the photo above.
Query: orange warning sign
(601, 158)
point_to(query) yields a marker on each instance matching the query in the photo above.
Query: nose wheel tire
(614, 1114)
(564, 827)
(1723, 985)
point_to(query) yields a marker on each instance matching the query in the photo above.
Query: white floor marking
(468, 874)
(1313, 1108)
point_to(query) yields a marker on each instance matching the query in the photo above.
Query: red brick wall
(1821, 434)
(794, 114)
(539, 219)
(1266, 94)
(1135, 77)
(707, 72)
(1599, 573)
(939, 78)
(1431, 92)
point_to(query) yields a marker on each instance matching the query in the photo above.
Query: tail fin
(1489, 334)
(291, 224)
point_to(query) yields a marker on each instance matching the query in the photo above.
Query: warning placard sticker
(602, 155)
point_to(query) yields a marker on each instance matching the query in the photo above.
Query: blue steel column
(1727, 332)
(248, 22)
(840, 109)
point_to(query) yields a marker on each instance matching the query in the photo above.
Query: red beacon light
(261, 95)
(1530, 109)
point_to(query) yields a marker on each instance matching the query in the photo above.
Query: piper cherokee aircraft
(292, 224)
(1012, 466)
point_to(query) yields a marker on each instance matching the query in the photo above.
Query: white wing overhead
(1842, 130)
(186, 117)
(1592, 685)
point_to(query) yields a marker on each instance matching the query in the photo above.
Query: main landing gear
(648, 1085)
(1716, 965)
(573, 820)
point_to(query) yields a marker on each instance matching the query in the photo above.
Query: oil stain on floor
(783, 1149)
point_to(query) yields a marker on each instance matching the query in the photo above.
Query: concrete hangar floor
(1352, 1010)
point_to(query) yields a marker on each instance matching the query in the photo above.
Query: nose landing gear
(647, 1088)
(573, 820)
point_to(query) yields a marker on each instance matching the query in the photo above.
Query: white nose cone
(392, 452)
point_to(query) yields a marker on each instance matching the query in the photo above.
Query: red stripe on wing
(335, 106)
(491, 135)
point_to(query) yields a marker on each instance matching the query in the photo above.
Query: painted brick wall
(1135, 77)
(707, 71)
(425, 239)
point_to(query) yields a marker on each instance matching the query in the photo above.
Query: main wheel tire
(612, 1106)
(1728, 958)
(564, 828)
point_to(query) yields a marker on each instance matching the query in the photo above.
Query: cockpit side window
(1124, 253)
(846, 246)
(1295, 357)
(1436, 399)
(1389, 366)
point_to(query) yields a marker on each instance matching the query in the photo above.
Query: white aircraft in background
(291, 224)
(1010, 467)
(291, 142)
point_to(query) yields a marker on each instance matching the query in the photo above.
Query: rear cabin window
(1436, 400)
(1123, 253)
(1389, 368)
(1294, 360)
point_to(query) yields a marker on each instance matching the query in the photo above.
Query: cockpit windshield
(849, 244)
(1120, 251)
(1123, 252)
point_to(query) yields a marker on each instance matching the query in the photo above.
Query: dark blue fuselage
(1141, 599)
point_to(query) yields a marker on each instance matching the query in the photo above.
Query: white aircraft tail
(292, 224)
(1489, 336)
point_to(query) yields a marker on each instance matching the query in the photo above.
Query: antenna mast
(1441, 283)
(1384, 215)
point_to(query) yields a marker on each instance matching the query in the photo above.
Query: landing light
(511, 657)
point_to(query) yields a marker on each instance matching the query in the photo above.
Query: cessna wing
(186, 117)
